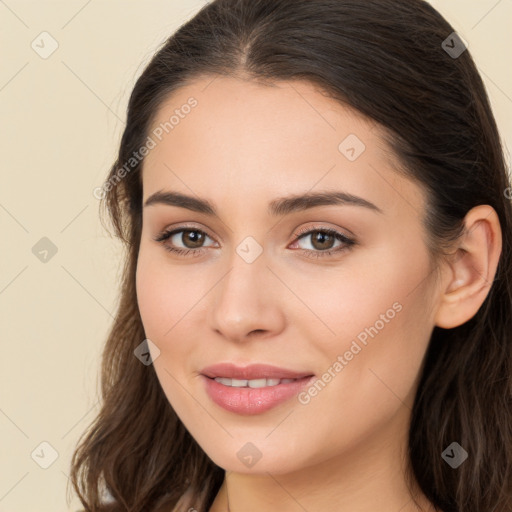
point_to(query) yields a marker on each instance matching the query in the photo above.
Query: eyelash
(349, 242)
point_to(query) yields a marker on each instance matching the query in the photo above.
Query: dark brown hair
(386, 59)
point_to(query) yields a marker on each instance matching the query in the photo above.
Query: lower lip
(253, 400)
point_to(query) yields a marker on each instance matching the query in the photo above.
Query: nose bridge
(247, 272)
(241, 300)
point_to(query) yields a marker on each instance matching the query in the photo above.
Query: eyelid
(319, 227)
(183, 227)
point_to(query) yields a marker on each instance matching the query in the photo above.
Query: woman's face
(263, 283)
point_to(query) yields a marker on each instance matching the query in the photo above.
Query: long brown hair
(389, 60)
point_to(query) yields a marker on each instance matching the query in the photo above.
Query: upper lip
(252, 371)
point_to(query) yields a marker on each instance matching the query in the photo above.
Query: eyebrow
(278, 207)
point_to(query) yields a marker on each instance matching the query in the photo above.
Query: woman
(317, 304)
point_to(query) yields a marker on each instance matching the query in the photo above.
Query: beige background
(62, 118)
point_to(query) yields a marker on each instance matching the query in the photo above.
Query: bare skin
(244, 145)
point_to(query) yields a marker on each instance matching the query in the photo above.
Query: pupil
(324, 236)
(195, 237)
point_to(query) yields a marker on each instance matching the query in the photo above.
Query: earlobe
(473, 269)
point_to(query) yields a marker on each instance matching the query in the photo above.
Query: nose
(247, 301)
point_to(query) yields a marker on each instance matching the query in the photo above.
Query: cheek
(368, 288)
(152, 301)
(377, 319)
(165, 293)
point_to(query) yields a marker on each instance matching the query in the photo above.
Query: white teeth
(254, 383)
(259, 383)
(222, 380)
(269, 382)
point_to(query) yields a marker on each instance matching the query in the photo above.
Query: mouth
(253, 396)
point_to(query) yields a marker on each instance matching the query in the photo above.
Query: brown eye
(183, 240)
(322, 240)
(193, 237)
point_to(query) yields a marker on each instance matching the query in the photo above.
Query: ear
(472, 270)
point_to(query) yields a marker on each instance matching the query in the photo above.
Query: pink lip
(253, 371)
(248, 400)
(252, 400)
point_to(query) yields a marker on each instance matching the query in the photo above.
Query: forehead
(246, 137)
(253, 113)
